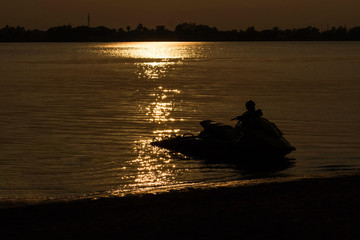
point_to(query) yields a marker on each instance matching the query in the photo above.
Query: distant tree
(275, 29)
(354, 34)
(250, 34)
(307, 34)
(140, 28)
(335, 34)
(160, 28)
(185, 27)
(192, 31)
(250, 29)
(182, 32)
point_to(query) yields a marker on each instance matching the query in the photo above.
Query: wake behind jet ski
(252, 137)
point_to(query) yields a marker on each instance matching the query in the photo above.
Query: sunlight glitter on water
(77, 118)
(162, 106)
(151, 50)
(154, 166)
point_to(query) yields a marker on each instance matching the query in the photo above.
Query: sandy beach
(321, 208)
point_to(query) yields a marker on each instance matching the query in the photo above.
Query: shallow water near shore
(77, 119)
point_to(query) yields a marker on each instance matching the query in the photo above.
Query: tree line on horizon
(182, 32)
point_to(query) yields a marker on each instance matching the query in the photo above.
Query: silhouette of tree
(161, 33)
(306, 34)
(140, 28)
(182, 32)
(336, 34)
(160, 28)
(354, 34)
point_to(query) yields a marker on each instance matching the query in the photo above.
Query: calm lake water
(77, 118)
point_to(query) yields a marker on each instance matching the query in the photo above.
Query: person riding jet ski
(250, 116)
(252, 121)
(253, 136)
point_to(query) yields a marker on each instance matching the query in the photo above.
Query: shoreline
(309, 208)
(17, 202)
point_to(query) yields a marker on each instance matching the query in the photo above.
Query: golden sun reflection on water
(154, 62)
(153, 70)
(154, 166)
(161, 107)
(163, 51)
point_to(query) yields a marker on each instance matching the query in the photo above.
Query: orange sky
(224, 14)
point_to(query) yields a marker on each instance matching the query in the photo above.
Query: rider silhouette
(250, 115)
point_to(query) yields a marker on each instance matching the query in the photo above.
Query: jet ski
(261, 139)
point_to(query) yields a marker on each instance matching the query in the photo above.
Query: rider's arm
(240, 118)
(237, 118)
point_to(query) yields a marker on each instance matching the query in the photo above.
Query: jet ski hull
(214, 148)
(264, 140)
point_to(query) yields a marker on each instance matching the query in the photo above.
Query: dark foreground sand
(307, 209)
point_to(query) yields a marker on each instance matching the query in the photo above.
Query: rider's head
(250, 105)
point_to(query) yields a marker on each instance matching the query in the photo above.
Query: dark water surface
(77, 118)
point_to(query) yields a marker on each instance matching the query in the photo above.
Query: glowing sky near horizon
(224, 14)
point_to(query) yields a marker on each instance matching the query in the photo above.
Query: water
(77, 118)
